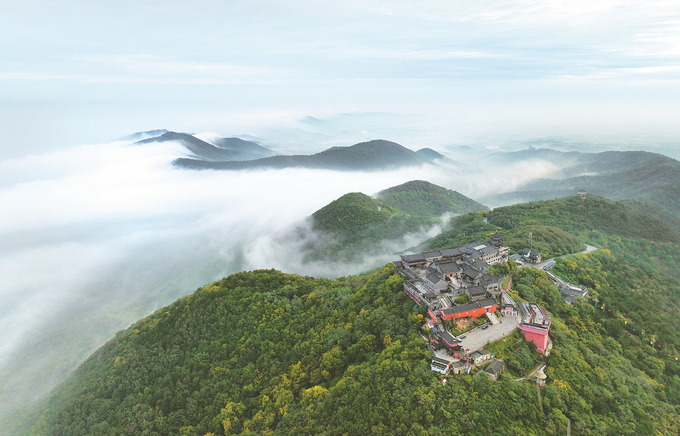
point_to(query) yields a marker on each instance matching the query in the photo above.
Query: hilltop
(356, 224)
(422, 198)
(372, 155)
(432, 155)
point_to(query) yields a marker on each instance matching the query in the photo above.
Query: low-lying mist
(95, 237)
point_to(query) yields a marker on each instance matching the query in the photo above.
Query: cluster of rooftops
(438, 278)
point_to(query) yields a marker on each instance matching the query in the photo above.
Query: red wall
(473, 313)
(538, 336)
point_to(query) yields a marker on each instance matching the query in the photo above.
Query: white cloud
(96, 236)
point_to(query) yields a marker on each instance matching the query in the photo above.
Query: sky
(95, 234)
(436, 72)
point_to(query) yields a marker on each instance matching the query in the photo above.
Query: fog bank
(97, 236)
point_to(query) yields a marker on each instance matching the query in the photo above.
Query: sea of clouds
(97, 236)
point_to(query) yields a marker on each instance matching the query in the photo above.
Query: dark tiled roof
(487, 302)
(431, 254)
(495, 367)
(448, 267)
(486, 250)
(487, 279)
(434, 268)
(451, 252)
(476, 291)
(412, 257)
(433, 278)
(546, 314)
(471, 273)
(441, 361)
(480, 264)
(448, 338)
(439, 365)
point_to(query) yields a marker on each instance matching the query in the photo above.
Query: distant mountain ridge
(138, 136)
(372, 155)
(226, 149)
(640, 176)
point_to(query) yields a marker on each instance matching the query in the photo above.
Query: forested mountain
(562, 226)
(672, 221)
(271, 353)
(423, 198)
(355, 224)
(372, 155)
(226, 149)
(549, 241)
(574, 213)
(645, 177)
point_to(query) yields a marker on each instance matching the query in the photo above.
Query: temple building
(536, 325)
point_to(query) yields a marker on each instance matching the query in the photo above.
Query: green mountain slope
(350, 213)
(574, 213)
(431, 155)
(560, 227)
(270, 353)
(423, 198)
(355, 224)
(372, 155)
(672, 221)
(549, 241)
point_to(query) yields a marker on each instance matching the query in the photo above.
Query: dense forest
(422, 198)
(591, 213)
(550, 241)
(270, 353)
(355, 224)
